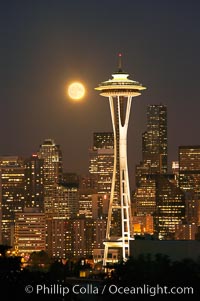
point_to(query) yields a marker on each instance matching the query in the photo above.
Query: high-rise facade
(189, 182)
(103, 140)
(120, 90)
(11, 195)
(58, 237)
(30, 231)
(102, 160)
(52, 157)
(154, 140)
(60, 207)
(186, 231)
(34, 183)
(62, 202)
(101, 169)
(82, 237)
(154, 143)
(86, 206)
(159, 196)
(170, 206)
(189, 169)
(154, 160)
(145, 197)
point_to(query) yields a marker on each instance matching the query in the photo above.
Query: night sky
(46, 44)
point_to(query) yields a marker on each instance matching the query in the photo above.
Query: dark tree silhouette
(4, 249)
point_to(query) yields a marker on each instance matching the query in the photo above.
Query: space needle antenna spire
(119, 62)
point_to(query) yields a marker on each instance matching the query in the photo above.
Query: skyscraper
(52, 156)
(62, 202)
(145, 196)
(30, 231)
(189, 181)
(120, 91)
(154, 143)
(11, 195)
(155, 138)
(189, 168)
(154, 159)
(102, 160)
(61, 205)
(34, 183)
(170, 206)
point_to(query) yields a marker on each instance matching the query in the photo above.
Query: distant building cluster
(166, 205)
(44, 208)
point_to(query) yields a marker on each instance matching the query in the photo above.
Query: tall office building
(52, 156)
(120, 90)
(154, 160)
(60, 206)
(189, 169)
(192, 208)
(186, 231)
(70, 237)
(30, 231)
(58, 237)
(154, 146)
(86, 202)
(101, 160)
(11, 195)
(103, 140)
(82, 237)
(154, 143)
(144, 197)
(99, 237)
(101, 157)
(62, 202)
(34, 183)
(189, 181)
(170, 206)
(159, 196)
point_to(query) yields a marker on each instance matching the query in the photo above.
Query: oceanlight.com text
(111, 289)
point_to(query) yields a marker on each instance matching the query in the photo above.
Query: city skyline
(89, 196)
(48, 44)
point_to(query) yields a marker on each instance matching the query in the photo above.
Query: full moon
(76, 90)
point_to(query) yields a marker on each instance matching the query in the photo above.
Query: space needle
(120, 90)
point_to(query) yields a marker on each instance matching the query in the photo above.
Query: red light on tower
(120, 62)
